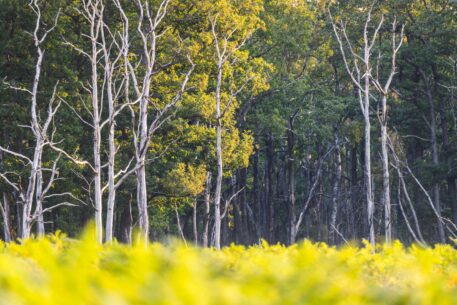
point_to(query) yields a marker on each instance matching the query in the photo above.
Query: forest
(229, 121)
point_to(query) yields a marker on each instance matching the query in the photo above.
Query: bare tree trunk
(367, 168)
(143, 130)
(385, 172)
(39, 204)
(207, 209)
(360, 75)
(111, 186)
(224, 48)
(178, 223)
(93, 13)
(384, 90)
(143, 217)
(194, 222)
(353, 190)
(217, 195)
(112, 150)
(34, 191)
(94, 32)
(336, 190)
(5, 208)
(291, 177)
(256, 198)
(268, 217)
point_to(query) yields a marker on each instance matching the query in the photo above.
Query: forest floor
(56, 270)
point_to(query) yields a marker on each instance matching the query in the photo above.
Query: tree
(36, 190)
(359, 68)
(149, 31)
(383, 89)
(232, 24)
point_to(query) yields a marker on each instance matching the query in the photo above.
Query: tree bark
(217, 195)
(291, 178)
(207, 209)
(6, 218)
(269, 189)
(336, 190)
(194, 222)
(367, 134)
(385, 172)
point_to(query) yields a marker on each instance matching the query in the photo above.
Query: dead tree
(144, 128)
(358, 66)
(92, 11)
(225, 48)
(108, 46)
(5, 210)
(336, 188)
(40, 180)
(207, 210)
(384, 90)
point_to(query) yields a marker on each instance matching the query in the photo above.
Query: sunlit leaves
(57, 270)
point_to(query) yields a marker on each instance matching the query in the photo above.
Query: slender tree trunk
(111, 184)
(269, 189)
(142, 204)
(6, 218)
(354, 186)
(367, 168)
(256, 197)
(385, 172)
(178, 223)
(96, 149)
(246, 232)
(291, 180)
(217, 195)
(19, 213)
(142, 150)
(5, 209)
(39, 204)
(207, 209)
(111, 141)
(194, 222)
(38, 151)
(98, 186)
(336, 190)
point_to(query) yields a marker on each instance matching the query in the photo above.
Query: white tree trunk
(385, 173)
(96, 13)
(207, 209)
(367, 169)
(336, 190)
(39, 204)
(112, 150)
(6, 218)
(143, 217)
(217, 195)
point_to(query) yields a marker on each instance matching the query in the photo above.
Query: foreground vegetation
(56, 270)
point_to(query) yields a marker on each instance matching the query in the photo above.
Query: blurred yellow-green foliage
(56, 270)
